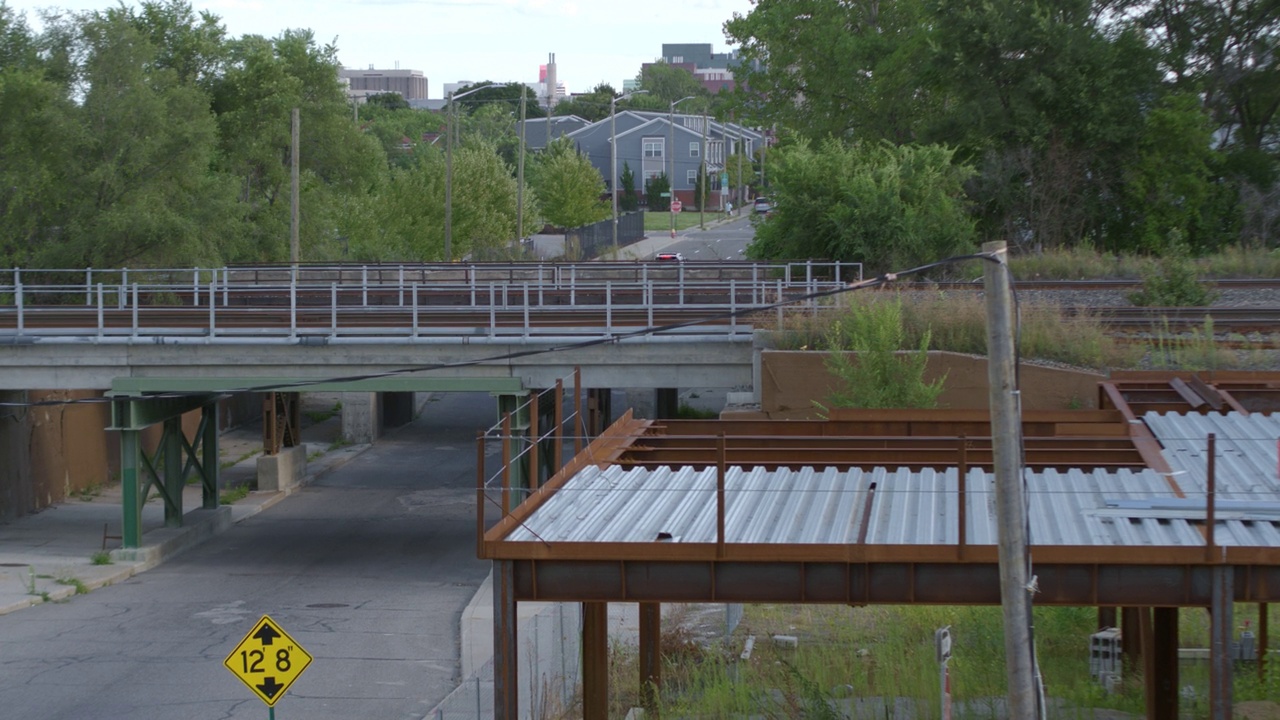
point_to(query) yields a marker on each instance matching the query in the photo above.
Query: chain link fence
(592, 240)
(550, 670)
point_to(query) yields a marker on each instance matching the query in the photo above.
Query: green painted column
(518, 443)
(130, 458)
(174, 457)
(209, 461)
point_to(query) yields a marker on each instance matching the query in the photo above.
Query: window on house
(691, 177)
(695, 149)
(653, 147)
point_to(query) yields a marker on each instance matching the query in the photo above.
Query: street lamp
(448, 171)
(613, 161)
(671, 121)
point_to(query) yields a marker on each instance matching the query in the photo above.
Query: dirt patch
(1257, 710)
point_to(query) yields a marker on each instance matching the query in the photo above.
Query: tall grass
(1081, 263)
(957, 322)
(887, 652)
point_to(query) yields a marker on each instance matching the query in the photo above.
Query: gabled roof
(662, 122)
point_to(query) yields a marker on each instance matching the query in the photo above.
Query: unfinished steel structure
(1166, 498)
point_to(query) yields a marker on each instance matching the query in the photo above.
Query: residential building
(409, 84)
(648, 143)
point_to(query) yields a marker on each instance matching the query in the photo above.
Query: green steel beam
(132, 412)
(131, 522)
(210, 465)
(398, 383)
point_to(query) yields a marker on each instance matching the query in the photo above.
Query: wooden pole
(295, 215)
(1011, 508)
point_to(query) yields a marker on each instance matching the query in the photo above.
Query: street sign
(267, 660)
(676, 206)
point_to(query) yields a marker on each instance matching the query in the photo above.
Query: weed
(687, 412)
(232, 463)
(319, 416)
(88, 493)
(232, 494)
(879, 377)
(81, 588)
(338, 444)
(102, 557)
(1173, 284)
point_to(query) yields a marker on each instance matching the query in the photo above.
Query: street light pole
(613, 161)
(520, 170)
(671, 122)
(448, 170)
(702, 205)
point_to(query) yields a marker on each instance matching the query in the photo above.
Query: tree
(881, 375)
(253, 101)
(568, 186)
(833, 69)
(667, 83)
(388, 101)
(654, 187)
(592, 106)
(630, 201)
(891, 207)
(502, 95)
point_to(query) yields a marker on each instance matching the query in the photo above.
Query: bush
(1173, 284)
(880, 376)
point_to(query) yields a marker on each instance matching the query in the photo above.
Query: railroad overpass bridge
(165, 342)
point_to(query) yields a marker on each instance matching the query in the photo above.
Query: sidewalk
(50, 555)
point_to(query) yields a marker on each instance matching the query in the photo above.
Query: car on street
(669, 257)
(763, 206)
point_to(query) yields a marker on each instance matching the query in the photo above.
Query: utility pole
(671, 122)
(613, 162)
(295, 214)
(741, 146)
(448, 180)
(702, 205)
(520, 168)
(1011, 503)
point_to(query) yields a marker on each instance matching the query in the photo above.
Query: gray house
(650, 143)
(539, 132)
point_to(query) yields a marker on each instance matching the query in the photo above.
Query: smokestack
(551, 82)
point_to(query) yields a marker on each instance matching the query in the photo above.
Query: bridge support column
(1160, 655)
(1221, 626)
(666, 403)
(517, 442)
(361, 417)
(650, 655)
(506, 665)
(595, 661)
(599, 410)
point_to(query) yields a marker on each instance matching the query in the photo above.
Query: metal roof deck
(817, 506)
(1247, 465)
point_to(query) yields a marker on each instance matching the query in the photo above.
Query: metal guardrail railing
(437, 301)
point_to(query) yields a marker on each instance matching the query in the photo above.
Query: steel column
(595, 661)
(517, 441)
(209, 464)
(1220, 627)
(650, 655)
(130, 459)
(1263, 630)
(171, 446)
(1131, 636)
(506, 670)
(1160, 655)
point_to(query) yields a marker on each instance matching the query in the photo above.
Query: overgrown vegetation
(233, 494)
(880, 376)
(1173, 284)
(885, 655)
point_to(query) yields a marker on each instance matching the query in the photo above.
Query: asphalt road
(368, 569)
(723, 242)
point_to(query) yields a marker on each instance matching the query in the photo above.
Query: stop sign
(676, 206)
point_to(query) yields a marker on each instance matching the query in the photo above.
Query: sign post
(267, 660)
(676, 206)
(942, 648)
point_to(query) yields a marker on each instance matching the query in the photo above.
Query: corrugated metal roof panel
(814, 505)
(1247, 467)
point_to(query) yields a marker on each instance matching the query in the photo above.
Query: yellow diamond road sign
(267, 660)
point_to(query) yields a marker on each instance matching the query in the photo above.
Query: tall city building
(410, 84)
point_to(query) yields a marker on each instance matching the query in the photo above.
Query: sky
(451, 40)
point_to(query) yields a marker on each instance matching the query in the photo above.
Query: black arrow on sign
(266, 634)
(270, 687)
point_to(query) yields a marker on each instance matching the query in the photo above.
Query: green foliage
(568, 186)
(700, 191)
(653, 189)
(590, 106)
(505, 97)
(388, 101)
(891, 207)
(880, 376)
(630, 200)
(668, 83)
(1173, 284)
(102, 557)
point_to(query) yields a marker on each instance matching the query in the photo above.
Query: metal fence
(550, 670)
(592, 240)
